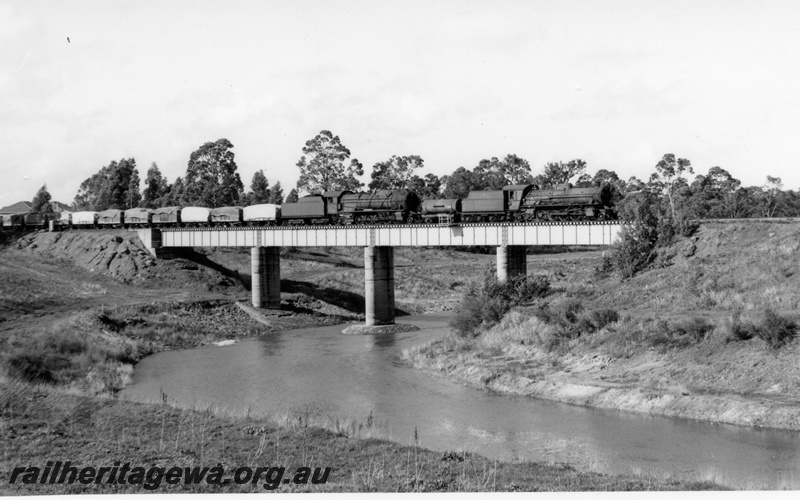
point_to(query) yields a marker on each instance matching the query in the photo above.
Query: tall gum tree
(324, 167)
(560, 173)
(395, 173)
(114, 186)
(668, 178)
(211, 177)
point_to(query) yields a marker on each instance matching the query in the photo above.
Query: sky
(615, 83)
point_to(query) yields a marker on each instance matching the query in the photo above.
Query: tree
(322, 166)
(176, 194)
(791, 203)
(41, 202)
(770, 196)
(604, 176)
(584, 181)
(489, 174)
(560, 173)
(121, 178)
(516, 170)
(494, 173)
(460, 183)
(114, 186)
(211, 177)
(716, 194)
(292, 196)
(635, 185)
(133, 196)
(276, 194)
(610, 178)
(669, 172)
(426, 187)
(395, 173)
(156, 188)
(259, 188)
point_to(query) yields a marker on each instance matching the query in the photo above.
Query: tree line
(212, 180)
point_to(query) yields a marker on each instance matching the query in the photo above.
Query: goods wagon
(167, 216)
(195, 216)
(226, 216)
(263, 214)
(14, 220)
(111, 218)
(138, 216)
(40, 220)
(84, 219)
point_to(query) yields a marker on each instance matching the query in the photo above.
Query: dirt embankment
(673, 351)
(121, 255)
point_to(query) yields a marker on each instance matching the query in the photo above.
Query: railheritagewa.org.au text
(151, 478)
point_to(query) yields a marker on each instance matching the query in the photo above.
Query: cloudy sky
(616, 83)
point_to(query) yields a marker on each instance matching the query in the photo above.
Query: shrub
(773, 329)
(562, 312)
(31, 367)
(568, 310)
(776, 330)
(694, 328)
(682, 333)
(487, 303)
(740, 330)
(517, 290)
(634, 249)
(646, 229)
(604, 266)
(597, 319)
(494, 308)
(556, 338)
(468, 316)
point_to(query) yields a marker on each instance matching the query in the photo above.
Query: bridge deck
(572, 233)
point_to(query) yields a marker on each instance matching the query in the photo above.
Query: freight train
(515, 203)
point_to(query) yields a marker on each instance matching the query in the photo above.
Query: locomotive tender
(514, 203)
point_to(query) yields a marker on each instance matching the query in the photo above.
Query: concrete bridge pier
(379, 285)
(511, 261)
(266, 277)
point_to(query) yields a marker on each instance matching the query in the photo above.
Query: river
(321, 372)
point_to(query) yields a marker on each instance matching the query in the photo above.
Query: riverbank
(639, 384)
(709, 332)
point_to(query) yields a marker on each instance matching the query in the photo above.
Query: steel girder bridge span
(378, 242)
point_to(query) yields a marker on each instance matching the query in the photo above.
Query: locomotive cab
(333, 201)
(516, 193)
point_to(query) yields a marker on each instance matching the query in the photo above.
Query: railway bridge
(510, 239)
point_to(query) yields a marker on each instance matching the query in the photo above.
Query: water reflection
(320, 371)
